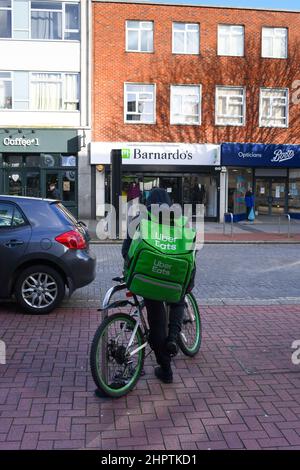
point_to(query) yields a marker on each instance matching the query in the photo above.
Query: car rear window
(67, 214)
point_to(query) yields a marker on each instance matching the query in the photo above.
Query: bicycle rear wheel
(115, 365)
(190, 337)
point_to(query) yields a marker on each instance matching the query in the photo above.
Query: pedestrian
(162, 341)
(53, 192)
(249, 202)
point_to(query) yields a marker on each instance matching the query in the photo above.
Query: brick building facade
(173, 83)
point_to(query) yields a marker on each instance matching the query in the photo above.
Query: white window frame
(154, 104)
(63, 21)
(183, 123)
(230, 116)
(231, 35)
(11, 19)
(60, 80)
(186, 25)
(274, 29)
(139, 30)
(283, 126)
(11, 79)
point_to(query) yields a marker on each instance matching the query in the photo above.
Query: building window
(231, 40)
(54, 92)
(240, 181)
(186, 104)
(54, 20)
(275, 43)
(139, 36)
(230, 106)
(5, 90)
(5, 18)
(273, 107)
(186, 38)
(139, 103)
(294, 191)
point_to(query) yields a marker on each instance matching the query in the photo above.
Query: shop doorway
(31, 176)
(271, 196)
(182, 189)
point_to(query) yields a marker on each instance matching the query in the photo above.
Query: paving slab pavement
(241, 391)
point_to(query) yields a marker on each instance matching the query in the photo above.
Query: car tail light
(72, 240)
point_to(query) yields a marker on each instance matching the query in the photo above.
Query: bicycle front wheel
(117, 355)
(190, 337)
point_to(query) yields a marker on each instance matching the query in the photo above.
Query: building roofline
(166, 3)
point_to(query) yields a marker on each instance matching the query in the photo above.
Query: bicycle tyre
(193, 349)
(105, 388)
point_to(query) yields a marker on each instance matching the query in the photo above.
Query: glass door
(278, 196)
(271, 196)
(15, 182)
(32, 183)
(262, 196)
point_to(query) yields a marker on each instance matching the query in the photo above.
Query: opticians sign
(157, 153)
(261, 155)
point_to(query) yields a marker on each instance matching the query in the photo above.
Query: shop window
(185, 104)
(5, 19)
(239, 182)
(275, 43)
(186, 38)
(54, 20)
(231, 40)
(139, 36)
(294, 192)
(230, 106)
(68, 185)
(139, 103)
(273, 107)
(5, 90)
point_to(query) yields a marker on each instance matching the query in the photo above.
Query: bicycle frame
(137, 314)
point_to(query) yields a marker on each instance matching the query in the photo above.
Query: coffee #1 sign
(261, 155)
(153, 153)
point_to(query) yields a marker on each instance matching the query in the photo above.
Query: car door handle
(13, 243)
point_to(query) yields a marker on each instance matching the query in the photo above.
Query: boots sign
(261, 155)
(153, 153)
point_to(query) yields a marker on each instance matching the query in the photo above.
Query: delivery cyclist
(164, 346)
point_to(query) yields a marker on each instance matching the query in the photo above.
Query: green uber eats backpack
(161, 260)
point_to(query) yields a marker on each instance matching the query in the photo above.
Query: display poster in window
(67, 186)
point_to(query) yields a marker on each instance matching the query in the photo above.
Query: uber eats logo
(161, 268)
(125, 153)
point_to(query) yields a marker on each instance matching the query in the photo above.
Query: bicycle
(121, 339)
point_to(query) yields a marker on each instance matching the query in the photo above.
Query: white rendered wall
(42, 56)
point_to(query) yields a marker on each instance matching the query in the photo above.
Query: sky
(280, 4)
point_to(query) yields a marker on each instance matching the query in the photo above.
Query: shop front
(271, 172)
(189, 173)
(39, 163)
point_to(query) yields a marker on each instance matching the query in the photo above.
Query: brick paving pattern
(240, 392)
(226, 274)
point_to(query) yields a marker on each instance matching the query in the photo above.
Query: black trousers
(157, 319)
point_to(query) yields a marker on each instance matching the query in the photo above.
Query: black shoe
(165, 375)
(171, 346)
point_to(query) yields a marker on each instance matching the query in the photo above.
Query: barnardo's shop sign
(261, 155)
(156, 153)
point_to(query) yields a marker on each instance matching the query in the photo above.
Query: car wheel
(39, 289)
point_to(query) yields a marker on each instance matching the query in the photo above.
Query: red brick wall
(112, 66)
